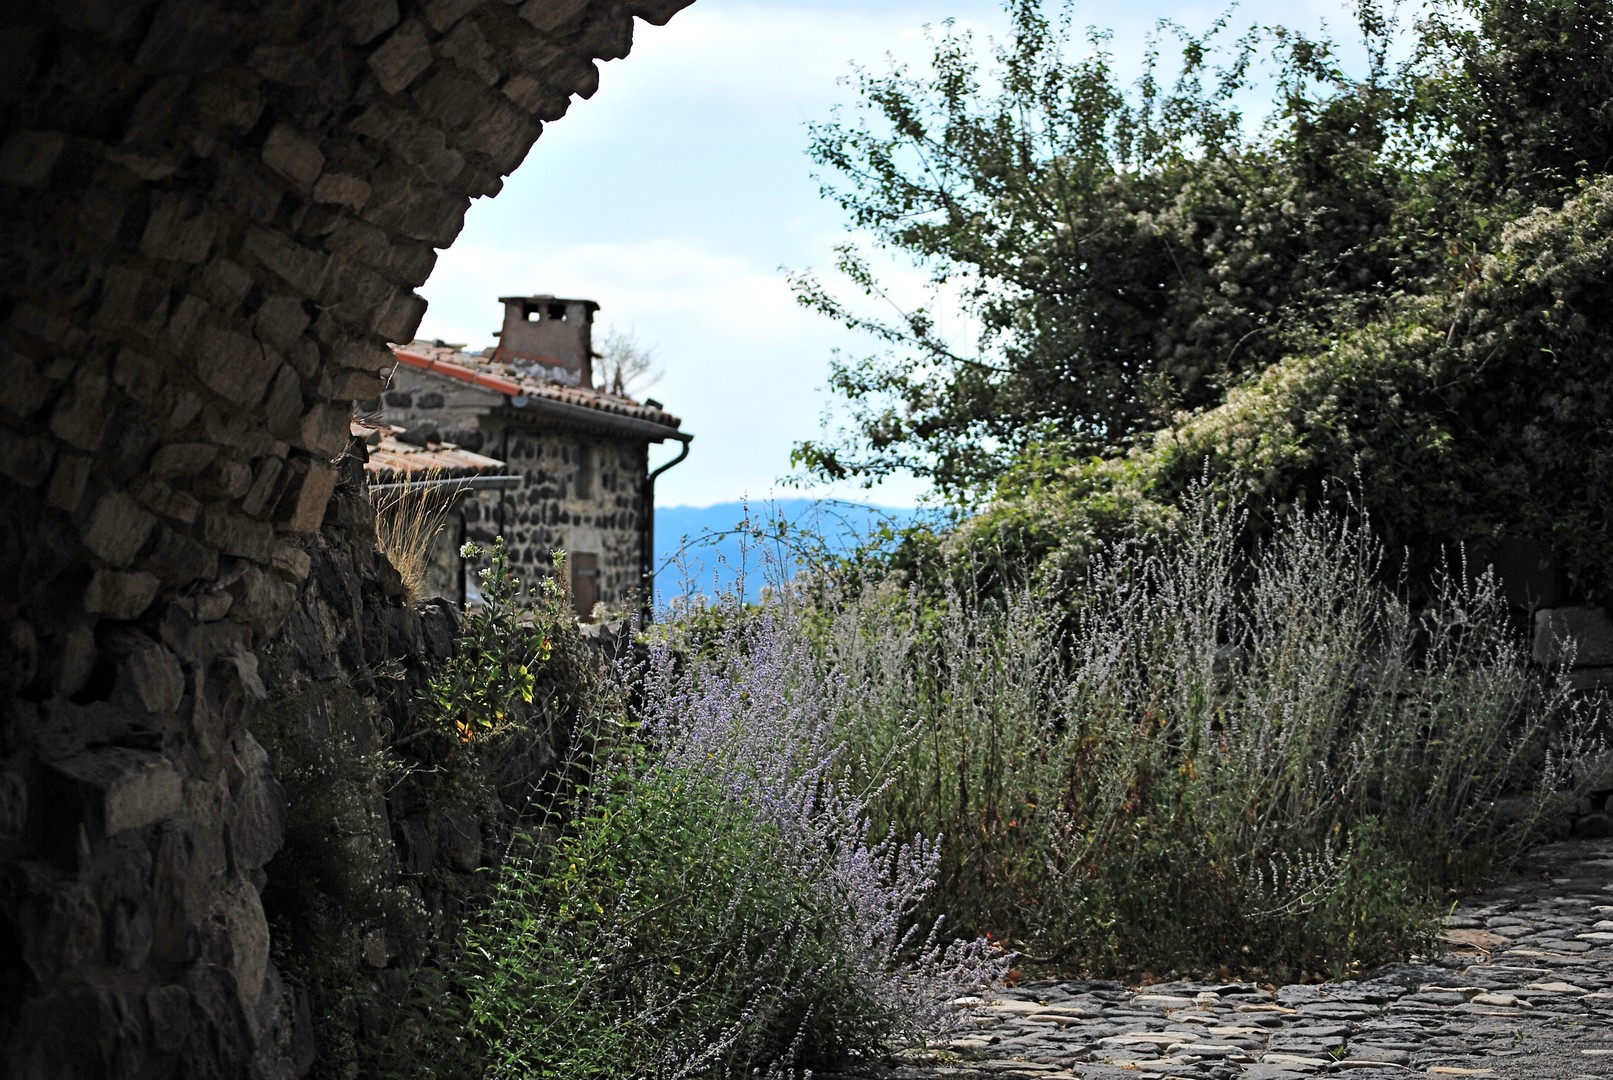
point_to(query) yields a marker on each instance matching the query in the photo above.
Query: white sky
(680, 193)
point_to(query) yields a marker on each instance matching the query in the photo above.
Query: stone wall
(217, 215)
(383, 841)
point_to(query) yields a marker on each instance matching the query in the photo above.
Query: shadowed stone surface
(217, 213)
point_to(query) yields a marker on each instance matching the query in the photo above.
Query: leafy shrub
(1463, 417)
(1208, 753)
(715, 902)
(491, 680)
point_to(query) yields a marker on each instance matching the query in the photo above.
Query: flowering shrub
(714, 902)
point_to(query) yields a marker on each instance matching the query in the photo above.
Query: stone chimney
(554, 335)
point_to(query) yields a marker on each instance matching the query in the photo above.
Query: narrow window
(585, 471)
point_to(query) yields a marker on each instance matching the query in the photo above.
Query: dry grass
(407, 521)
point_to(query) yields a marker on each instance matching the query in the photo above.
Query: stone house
(581, 452)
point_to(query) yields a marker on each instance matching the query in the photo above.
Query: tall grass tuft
(408, 520)
(1207, 756)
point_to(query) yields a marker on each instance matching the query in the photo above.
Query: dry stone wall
(382, 843)
(218, 212)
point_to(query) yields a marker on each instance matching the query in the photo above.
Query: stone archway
(219, 212)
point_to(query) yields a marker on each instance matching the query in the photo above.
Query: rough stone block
(261, 600)
(249, 189)
(234, 534)
(224, 283)
(442, 14)
(399, 319)
(182, 459)
(504, 134)
(281, 320)
(302, 269)
(355, 293)
(118, 595)
(13, 805)
(608, 36)
(117, 529)
(536, 97)
(148, 674)
(303, 506)
(188, 316)
(426, 148)
(138, 375)
(230, 99)
(234, 366)
(357, 385)
(401, 58)
(150, 123)
(257, 825)
(1589, 628)
(211, 606)
(282, 408)
(180, 408)
(222, 423)
(180, 229)
(466, 47)
(264, 486)
(178, 560)
(19, 656)
(292, 563)
(163, 500)
(241, 913)
(28, 158)
(293, 155)
(25, 389)
(125, 789)
(79, 418)
(560, 68)
(326, 427)
(183, 39)
(75, 659)
(657, 12)
(367, 20)
(67, 482)
(552, 15)
(343, 189)
(1595, 678)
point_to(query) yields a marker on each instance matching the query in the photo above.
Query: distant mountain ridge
(706, 549)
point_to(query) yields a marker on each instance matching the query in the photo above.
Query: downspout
(647, 604)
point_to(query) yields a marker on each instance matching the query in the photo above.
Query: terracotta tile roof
(394, 460)
(520, 380)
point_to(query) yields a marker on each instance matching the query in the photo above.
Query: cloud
(743, 364)
(783, 51)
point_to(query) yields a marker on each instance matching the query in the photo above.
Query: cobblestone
(1525, 992)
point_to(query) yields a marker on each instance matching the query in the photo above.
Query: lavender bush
(716, 903)
(1198, 755)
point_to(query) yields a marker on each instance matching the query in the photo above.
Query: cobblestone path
(1526, 992)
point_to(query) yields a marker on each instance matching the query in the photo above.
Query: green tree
(1128, 255)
